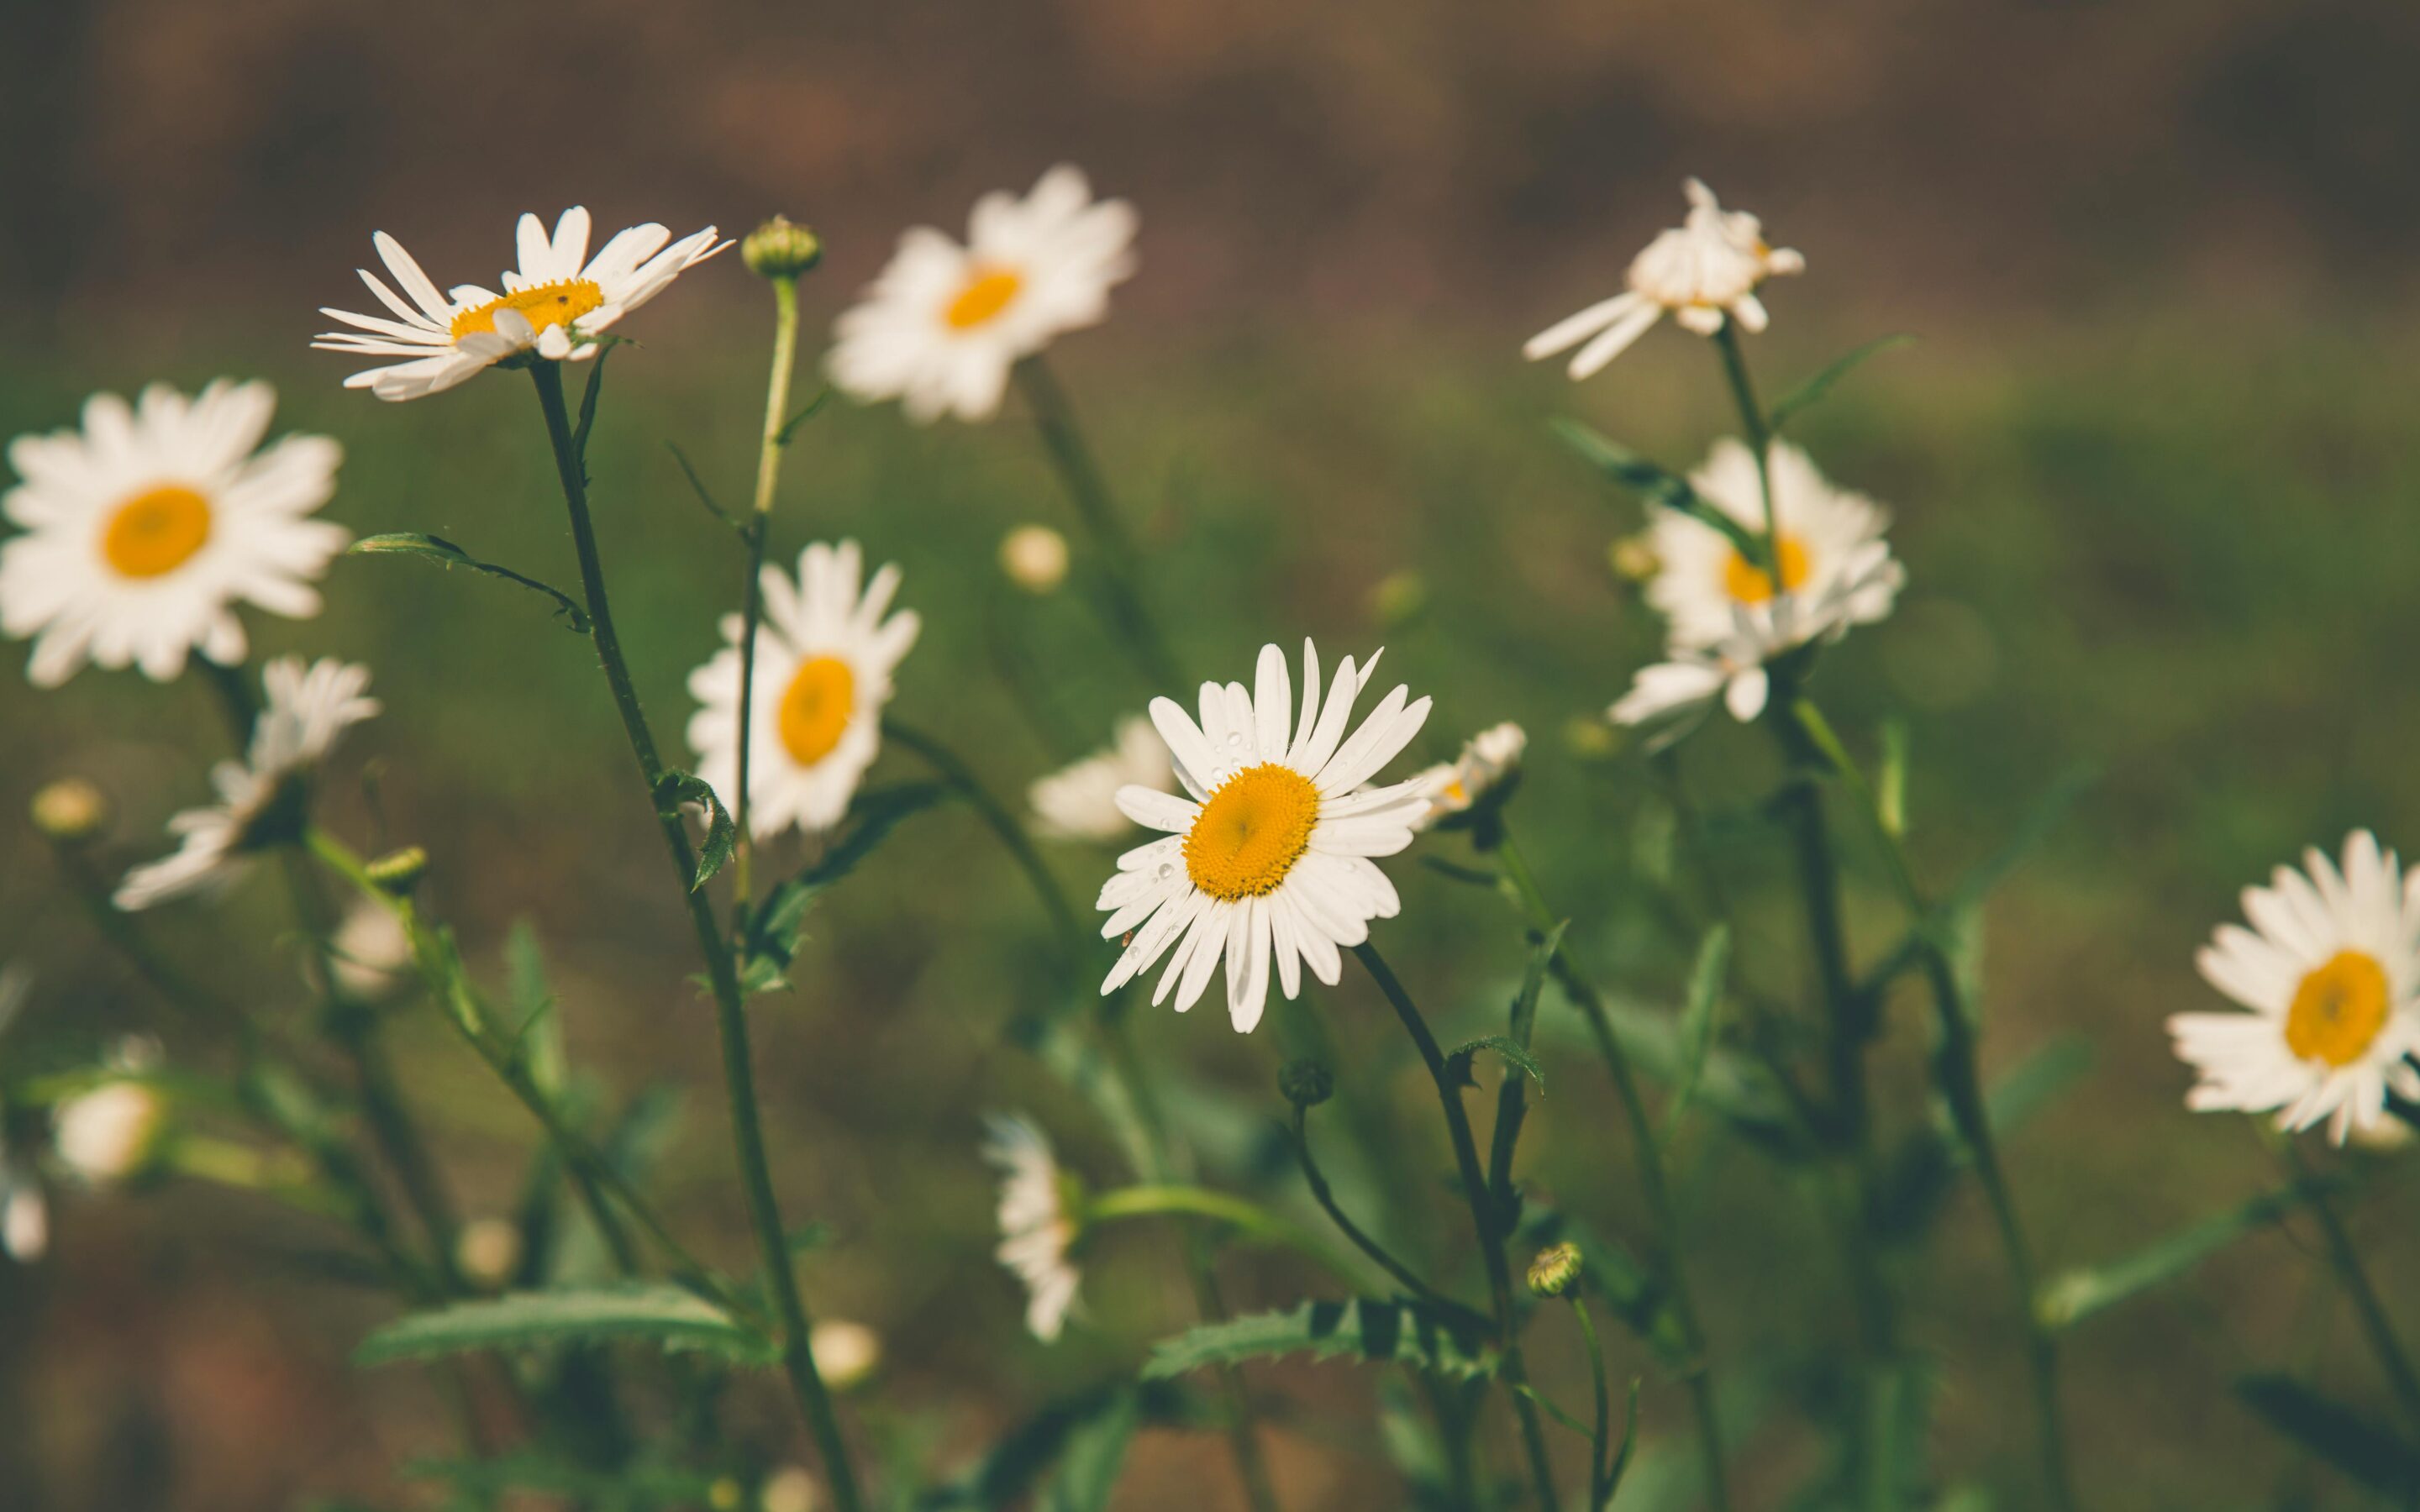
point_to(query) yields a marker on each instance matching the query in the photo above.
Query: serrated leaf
(665, 1315)
(436, 549)
(1821, 384)
(1360, 1328)
(2344, 1436)
(1655, 483)
(676, 787)
(2071, 1298)
(1503, 1045)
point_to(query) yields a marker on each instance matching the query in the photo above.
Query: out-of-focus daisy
(1268, 863)
(2330, 970)
(1450, 788)
(1702, 581)
(1036, 1226)
(260, 797)
(556, 302)
(1080, 802)
(824, 658)
(112, 1132)
(1702, 272)
(148, 526)
(943, 324)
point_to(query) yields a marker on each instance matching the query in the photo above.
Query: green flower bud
(1556, 1268)
(1632, 557)
(1398, 599)
(71, 810)
(398, 872)
(1305, 1083)
(780, 249)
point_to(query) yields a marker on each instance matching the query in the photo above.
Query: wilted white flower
(1450, 788)
(259, 798)
(2329, 972)
(1034, 557)
(370, 950)
(1036, 1230)
(1080, 801)
(556, 303)
(942, 326)
(145, 528)
(111, 1133)
(846, 1354)
(1704, 271)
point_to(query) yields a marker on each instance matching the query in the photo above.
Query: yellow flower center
(988, 292)
(156, 532)
(1251, 833)
(2338, 1010)
(558, 304)
(1751, 584)
(816, 708)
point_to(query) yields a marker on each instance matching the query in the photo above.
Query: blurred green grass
(2178, 554)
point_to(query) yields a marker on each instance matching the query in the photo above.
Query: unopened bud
(1305, 1083)
(398, 872)
(781, 248)
(726, 1495)
(790, 1489)
(1398, 598)
(1589, 738)
(1034, 557)
(71, 810)
(489, 1251)
(846, 1354)
(1556, 1268)
(113, 1132)
(1633, 559)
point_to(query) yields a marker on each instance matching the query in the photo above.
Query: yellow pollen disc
(558, 304)
(816, 708)
(1751, 584)
(1251, 833)
(157, 532)
(2338, 1010)
(988, 292)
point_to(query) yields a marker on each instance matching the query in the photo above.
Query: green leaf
(1697, 1020)
(1620, 1465)
(676, 787)
(436, 549)
(1095, 1454)
(2071, 1298)
(1503, 1045)
(525, 1320)
(2345, 1437)
(1890, 781)
(1821, 384)
(772, 930)
(1358, 1328)
(538, 1032)
(1655, 484)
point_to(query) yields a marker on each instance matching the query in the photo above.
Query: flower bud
(113, 1133)
(790, 1489)
(1590, 738)
(1634, 558)
(71, 810)
(846, 1354)
(1398, 598)
(1305, 1083)
(781, 248)
(397, 873)
(1034, 557)
(487, 1251)
(1556, 1268)
(725, 1494)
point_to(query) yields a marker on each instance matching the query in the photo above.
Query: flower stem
(1482, 1212)
(1242, 1214)
(1647, 1153)
(1760, 440)
(1362, 1240)
(768, 472)
(2346, 1261)
(747, 1129)
(1004, 825)
(1054, 416)
(1602, 1452)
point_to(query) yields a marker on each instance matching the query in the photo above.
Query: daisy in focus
(1037, 1231)
(1080, 801)
(824, 657)
(2330, 971)
(940, 327)
(144, 529)
(1487, 760)
(1267, 864)
(1825, 543)
(557, 302)
(1703, 273)
(262, 798)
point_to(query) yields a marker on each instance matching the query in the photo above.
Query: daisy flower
(824, 658)
(1824, 535)
(1080, 802)
(1038, 1229)
(260, 797)
(940, 327)
(1703, 273)
(2330, 971)
(1692, 676)
(1269, 862)
(556, 302)
(146, 527)
(1450, 787)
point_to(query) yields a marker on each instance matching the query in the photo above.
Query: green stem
(1602, 1454)
(1325, 1197)
(1760, 440)
(768, 472)
(1004, 826)
(1482, 1212)
(2346, 1260)
(1245, 1216)
(747, 1130)
(1647, 1154)
(1054, 416)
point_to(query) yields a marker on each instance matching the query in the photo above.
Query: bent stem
(768, 472)
(2346, 1260)
(1360, 1238)
(1474, 1186)
(731, 1013)
(1647, 1153)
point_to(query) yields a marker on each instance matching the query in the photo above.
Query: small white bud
(110, 1134)
(790, 1489)
(489, 1251)
(846, 1354)
(1034, 557)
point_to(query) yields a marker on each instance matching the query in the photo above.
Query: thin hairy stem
(769, 474)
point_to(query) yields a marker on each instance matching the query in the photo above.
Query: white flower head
(556, 303)
(1704, 271)
(1450, 787)
(147, 526)
(825, 654)
(111, 1133)
(306, 710)
(1826, 540)
(940, 327)
(1080, 801)
(1037, 1231)
(1268, 863)
(2330, 971)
